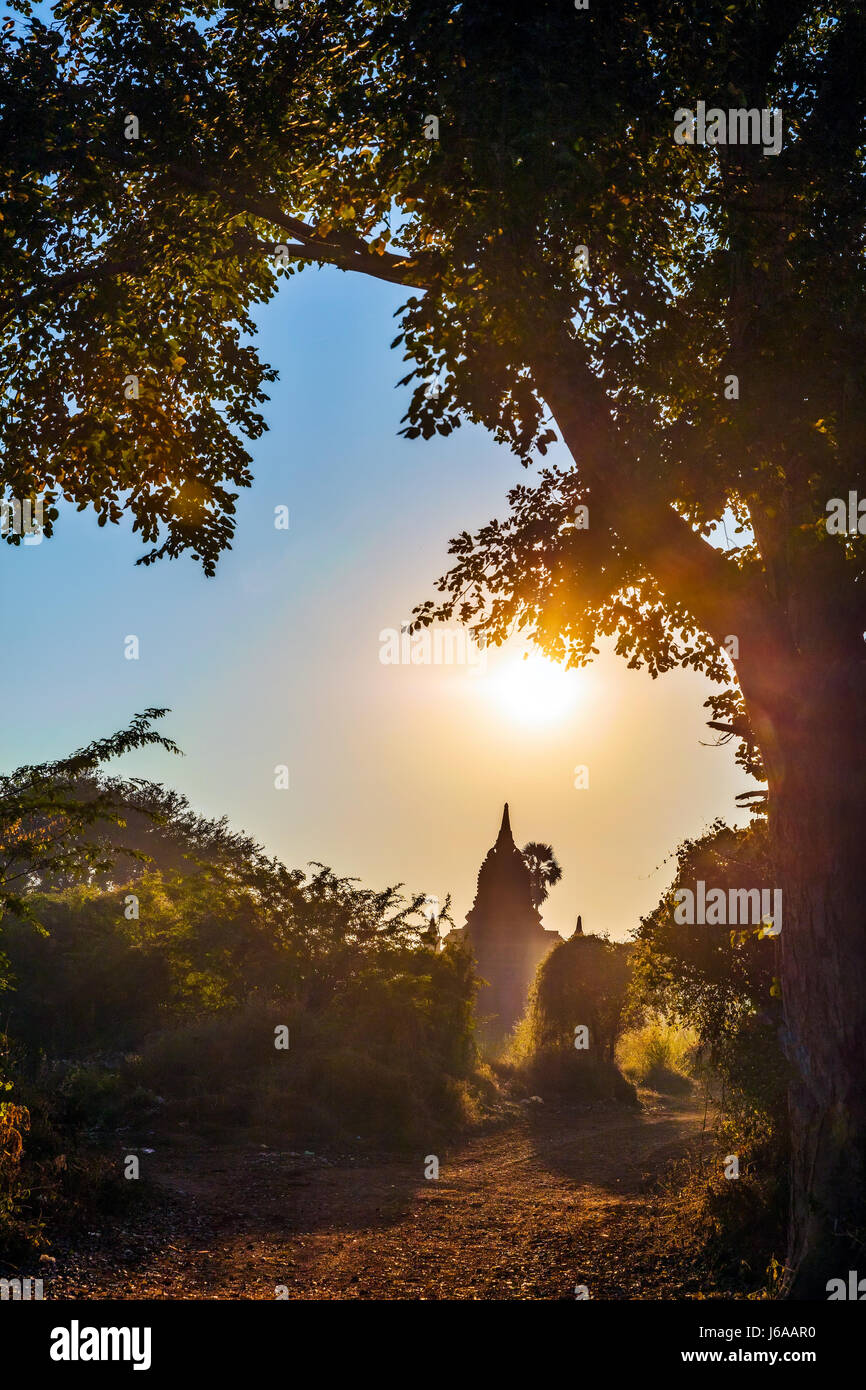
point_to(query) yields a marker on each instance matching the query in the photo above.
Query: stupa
(505, 934)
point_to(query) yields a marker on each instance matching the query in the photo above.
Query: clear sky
(397, 773)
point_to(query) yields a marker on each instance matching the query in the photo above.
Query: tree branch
(686, 567)
(348, 251)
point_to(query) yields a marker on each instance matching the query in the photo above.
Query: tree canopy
(572, 269)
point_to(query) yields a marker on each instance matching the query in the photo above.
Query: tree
(723, 983)
(57, 823)
(688, 318)
(544, 871)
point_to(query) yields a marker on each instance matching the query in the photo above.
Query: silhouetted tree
(544, 871)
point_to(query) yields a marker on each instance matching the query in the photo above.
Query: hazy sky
(397, 773)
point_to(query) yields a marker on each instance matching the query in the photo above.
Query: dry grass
(659, 1055)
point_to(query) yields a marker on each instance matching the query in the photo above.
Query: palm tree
(544, 871)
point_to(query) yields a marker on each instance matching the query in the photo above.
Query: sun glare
(534, 691)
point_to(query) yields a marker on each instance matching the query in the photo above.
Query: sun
(534, 691)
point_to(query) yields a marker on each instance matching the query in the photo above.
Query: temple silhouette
(505, 934)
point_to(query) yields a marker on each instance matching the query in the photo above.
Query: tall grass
(659, 1055)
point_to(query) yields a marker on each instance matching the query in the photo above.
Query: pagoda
(505, 934)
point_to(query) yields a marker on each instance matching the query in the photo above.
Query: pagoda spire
(504, 932)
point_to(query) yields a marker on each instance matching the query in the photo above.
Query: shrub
(166, 1014)
(579, 1076)
(583, 981)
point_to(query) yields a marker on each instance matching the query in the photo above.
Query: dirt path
(555, 1200)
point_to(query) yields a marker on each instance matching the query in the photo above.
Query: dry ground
(555, 1199)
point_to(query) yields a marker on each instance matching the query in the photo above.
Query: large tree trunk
(806, 705)
(818, 827)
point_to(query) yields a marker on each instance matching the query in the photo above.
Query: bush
(579, 1076)
(583, 981)
(392, 1059)
(160, 1008)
